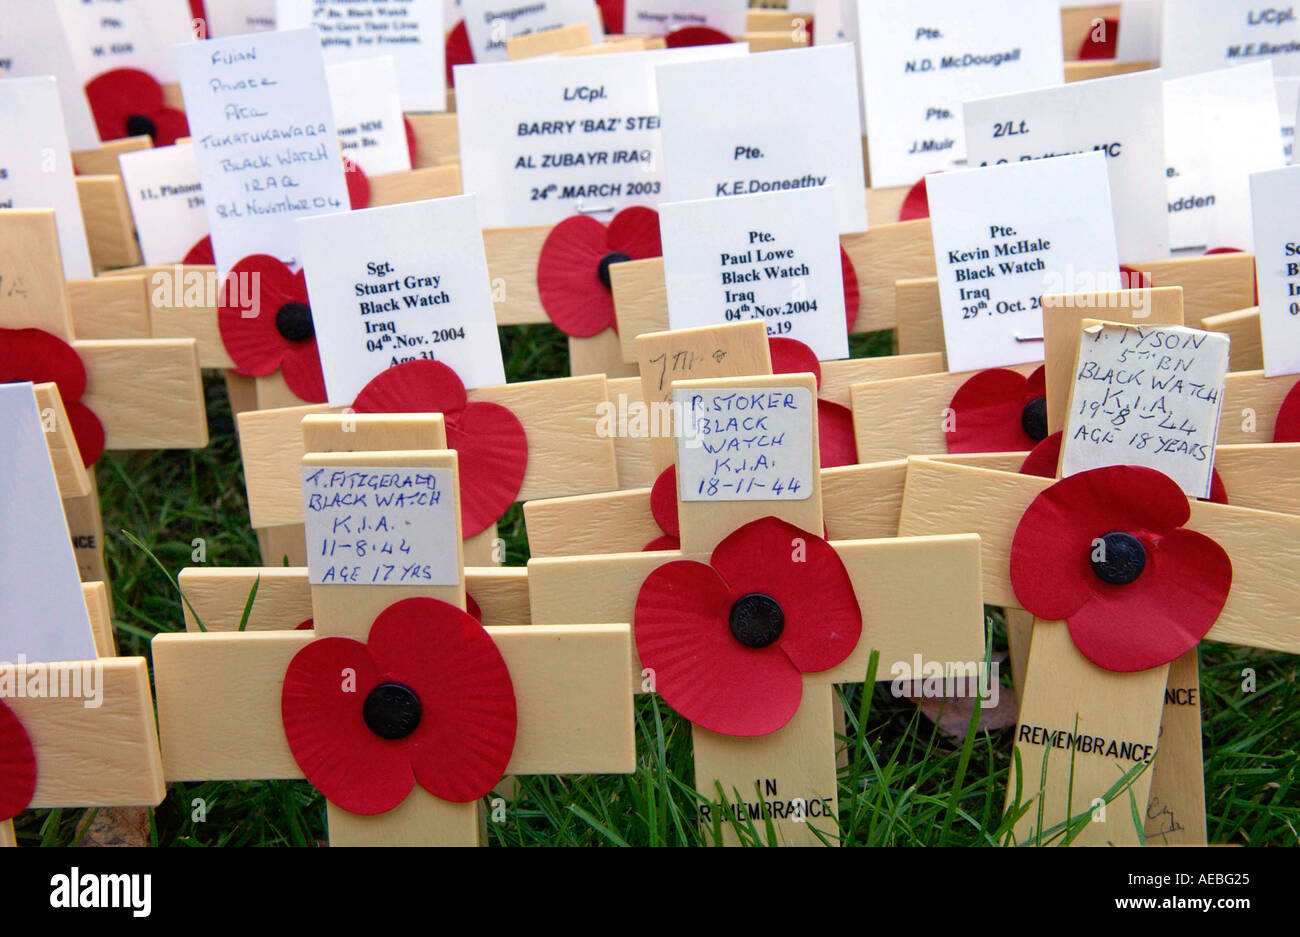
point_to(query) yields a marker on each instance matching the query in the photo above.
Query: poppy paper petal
(41, 357)
(17, 765)
(116, 95)
(200, 254)
(1287, 428)
(611, 14)
(358, 185)
(302, 371)
(635, 231)
(916, 204)
(413, 387)
(791, 356)
(1044, 458)
(87, 429)
(837, 444)
(662, 543)
(852, 294)
(249, 334)
(492, 448)
(458, 51)
(986, 413)
(1103, 46)
(663, 502)
(695, 36)
(170, 125)
(567, 281)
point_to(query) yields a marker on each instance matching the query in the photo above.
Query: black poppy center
(756, 620)
(293, 321)
(1033, 419)
(1118, 559)
(139, 125)
(613, 257)
(392, 711)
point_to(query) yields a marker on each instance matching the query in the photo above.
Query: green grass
(904, 783)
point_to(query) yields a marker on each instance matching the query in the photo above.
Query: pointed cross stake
(929, 586)
(219, 693)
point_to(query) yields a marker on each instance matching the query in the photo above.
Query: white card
(380, 526)
(1204, 35)
(745, 443)
(411, 31)
(166, 199)
(1139, 31)
(1121, 117)
(368, 114)
(42, 609)
(489, 24)
(32, 43)
(920, 61)
(1275, 196)
(1288, 98)
(395, 284)
(264, 136)
(795, 125)
(236, 17)
(1147, 396)
(1220, 127)
(36, 165)
(1004, 236)
(544, 139)
(108, 34)
(774, 257)
(660, 17)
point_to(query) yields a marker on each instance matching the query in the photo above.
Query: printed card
(400, 283)
(1139, 34)
(920, 61)
(660, 17)
(1288, 99)
(166, 199)
(1122, 117)
(489, 24)
(795, 125)
(36, 165)
(1220, 127)
(1147, 396)
(1275, 195)
(237, 17)
(772, 257)
(33, 43)
(1004, 236)
(1204, 35)
(544, 139)
(368, 113)
(107, 34)
(411, 31)
(43, 615)
(264, 136)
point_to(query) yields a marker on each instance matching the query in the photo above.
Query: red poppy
(1103, 46)
(17, 765)
(1046, 456)
(573, 268)
(358, 184)
(458, 51)
(916, 204)
(490, 442)
(37, 356)
(852, 295)
(201, 254)
(837, 444)
(1106, 551)
(412, 144)
(998, 410)
(663, 506)
(696, 36)
(277, 332)
(127, 102)
(1287, 428)
(611, 14)
(728, 640)
(1131, 278)
(426, 700)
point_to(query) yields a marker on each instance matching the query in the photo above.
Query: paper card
(1275, 195)
(835, 21)
(368, 113)
(1121, 117)
(489, 24)
(411, 31)
(1220, 127)
(920, 61)
(380, 526)
(1288, 99)
(398, 283)
(773, 257)
(237, 17)
(36, 165)
(108, 34)
(544, 139)
(1004, 236)
(42, 610)
(32, 43)
(1147, 396)
(263, 130)
(794, 125)
(745, 444)
(1139, 31)
(660, 17)
(1204, 35)
(166, 199)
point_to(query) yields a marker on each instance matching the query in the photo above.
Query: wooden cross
(219, 693)
(929, 582)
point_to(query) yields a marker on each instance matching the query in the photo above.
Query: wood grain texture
(1102, 68)
(838, 377)
(881, 255)
(601, 353)
(640, 301)
(548, 42)
(29, 252)
(1020, 630)
(273, 392)
(1211, 285)
(414, 186)
(920, 316)
(884, 205)
(283, 545)
(632, 455)
(240, 389)
(1250, 405)
(86, 527)
(776, 20)
(1175, 813)
(148, 394)
(368, 432)
(101, 618)
(270, 445)
(102, 161)
(589, 525)
(69, 470)
(110, 229)
(110, 307)
(183, 304)
(1246, 353)
(512, 264)
(436, 139)
(776, 40)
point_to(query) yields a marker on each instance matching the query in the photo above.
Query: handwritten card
(36, 165)
(107, 34)
(745, 444)
(489, 23)
(794, 126)
(42, 610)
(397, 284)
(1204, 35)
(1121, 117)
(264, 136)
(1147, 396)
(166, 197)
(773, 257)
(237, 17)
(543, 139)
(32, 43)
(660, 17)
(920, 61)
(1220, 127)
(411, 31)
(1004, 236)
(368, 113)
(381, 526)
(1275, 195)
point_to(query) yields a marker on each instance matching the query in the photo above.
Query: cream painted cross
(219, 692)
(928, 584)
